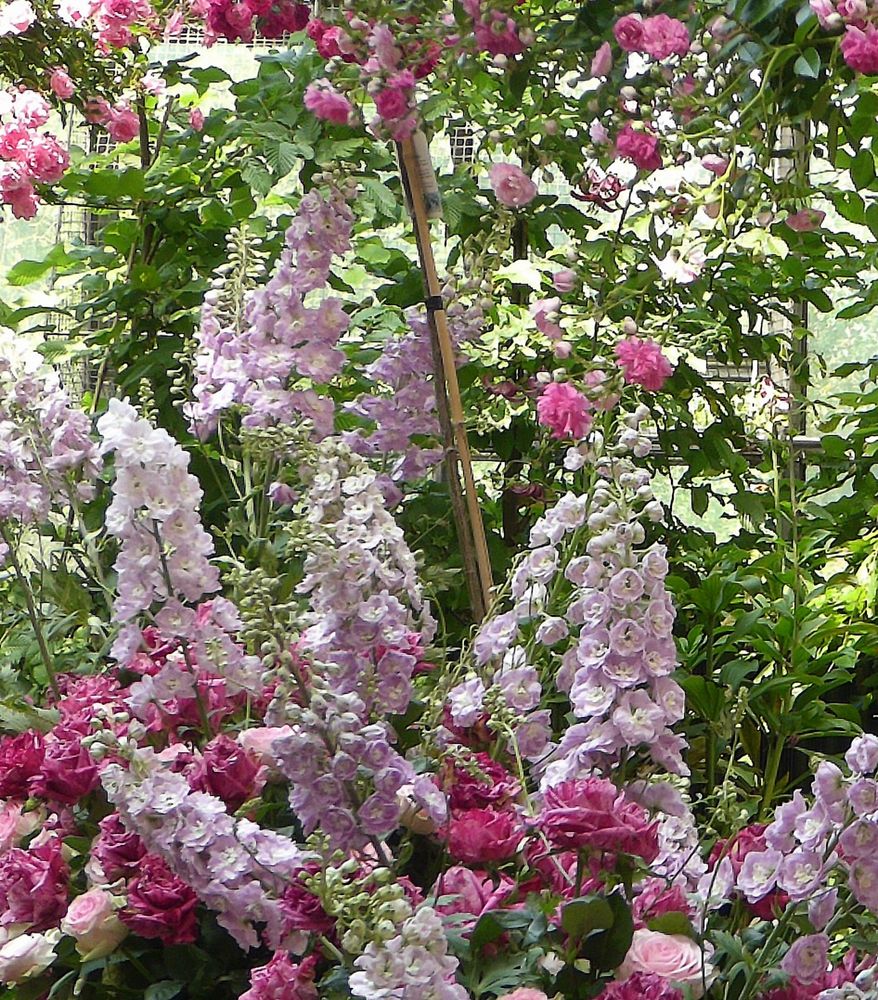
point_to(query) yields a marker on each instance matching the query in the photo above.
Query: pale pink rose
(511, 185)
(14, 824)
(674, 957)
(92, 920)
(602, 62)
(153, 84)
(524, 993)
(61, 84)
(16, 17)
(196, 120)
(259, 741)
(27, 955)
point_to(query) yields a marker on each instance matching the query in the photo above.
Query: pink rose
(806, 220)
(47, 159)
(93, 921)
(15, 824)
(33, 886)
(324, 101)
(160, 905)
(61, 84)
(498, 36)
(640, 147)
(472, 892)
(602, 62)
(196, 119)
(674, 957)
(656, 898)
(564, 280)
(859, 48)
(565, 411)
(592, 814)
(27, 955)
(664, 36)
(283, 978)
(643, 363)
(123, 124)
(524, 993)
(511, 185)
(228, 771)
(31, 109)
(479, 835)
(629, 32)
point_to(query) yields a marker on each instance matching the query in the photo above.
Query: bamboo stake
(469, 520)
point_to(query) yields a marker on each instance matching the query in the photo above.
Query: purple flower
(759, 873)
(521, 688)
(808, 959)
(801, 873)
(821, 908)
(862, 757)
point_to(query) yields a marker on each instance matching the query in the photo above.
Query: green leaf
(582, 917)
(25, 272)
(607, 950)
(862, 169)
(19, 717)
(163, 990)
(672, 923)
(808, 64)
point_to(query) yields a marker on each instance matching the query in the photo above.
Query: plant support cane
(464, 499)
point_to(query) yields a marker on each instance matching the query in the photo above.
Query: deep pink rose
(499, 35)
(160, 905)
(302, 910)
(565, 411)
(664, 36)
(68, 772)
(640, 147)
(656, 898)
(592, 814)
(641, 986)
(479, 783)
(473, 892)
(643, 363)
(476, 836)
(859, 48)
(629, 32)
(118, 851)
(511, 185)
(228, 771)
(33, 886)
(392, 103)
(21, 758)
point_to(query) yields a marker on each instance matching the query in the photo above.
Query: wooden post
(464, 499)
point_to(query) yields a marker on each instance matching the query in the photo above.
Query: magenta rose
(859, 48)
(656, 898)
(33, 886)
(629, 32)
(227, 770)
(641, 986)
(480, 783)
(302, 910)
(68, 771)
(592, 814)
(118, 851)
(665, 36)
(21, 758)
(473, 892)
(160, 905)
(476, 836)
(283, 978)
(640, 147)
